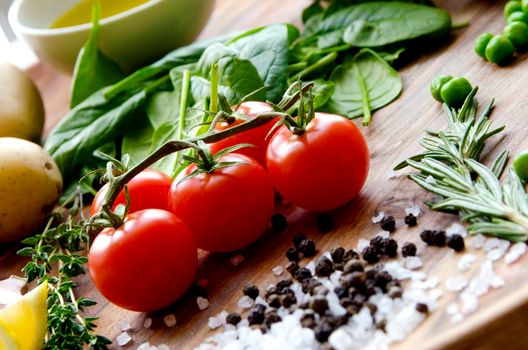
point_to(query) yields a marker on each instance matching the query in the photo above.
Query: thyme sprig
(450, 167)
(57, 257)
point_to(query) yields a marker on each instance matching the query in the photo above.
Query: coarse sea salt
(477, 241)
(362, 244)
(214, 322)
(245, 302)
(123, 339)
(413, 210)
(202, 303)
(170, 320)
(144, 346)
(163, 347)
(277, 270)
(456, 229)
(413, 262)
(378, 217)
(516, 251)
(495, 243)
(456, 284)
(465, 262)
(236, 260)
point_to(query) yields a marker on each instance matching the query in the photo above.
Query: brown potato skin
(30, 186)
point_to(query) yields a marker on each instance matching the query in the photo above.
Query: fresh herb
(450, 168)
(57, 257)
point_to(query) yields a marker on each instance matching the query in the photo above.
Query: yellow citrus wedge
(23, 323)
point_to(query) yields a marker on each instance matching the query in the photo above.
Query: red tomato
(321, 169)
(145, 264)
(256, 137)
(227, 209)
(147, 190)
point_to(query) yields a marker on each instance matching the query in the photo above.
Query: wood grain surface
(502, 319)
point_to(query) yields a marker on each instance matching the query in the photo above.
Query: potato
(30, 185)
(21, 108)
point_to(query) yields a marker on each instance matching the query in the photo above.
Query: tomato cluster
(151, 259)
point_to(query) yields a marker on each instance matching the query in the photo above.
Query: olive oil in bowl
(81, 13)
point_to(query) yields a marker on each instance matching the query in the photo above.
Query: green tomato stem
(213, 107)
(367, 115)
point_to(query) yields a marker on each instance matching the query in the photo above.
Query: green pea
(436, 85)
(500, 50)
(481, 43)
(520, 165)
(455, 91)
(517, 32)
(518, 16)
(511, 7)
(524, 5)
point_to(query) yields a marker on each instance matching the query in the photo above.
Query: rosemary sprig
(57, 257)
(450, 167)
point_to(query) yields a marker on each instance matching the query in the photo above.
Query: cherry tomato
(147, 190)
(256, 137)
(321, 169)
(227, 209)
(145, 264)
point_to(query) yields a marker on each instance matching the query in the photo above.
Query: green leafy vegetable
(362, 84)
(93, 69)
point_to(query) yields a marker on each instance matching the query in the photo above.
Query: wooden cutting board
(502, 319)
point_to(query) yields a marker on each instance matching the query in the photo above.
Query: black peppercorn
(259, 307)
(292, 254)
(279, 222)
(256, 317)
(302, 274)
(308, 321)
(307, 248)
(370, 255)
(324, 267)
(420, 307)
(324, 222)
(439, 238)
(308, 285)
(274, 301)
(389, 247)
(350, 254)
(427, 236)
(341, 292)
(337, 254)
(388, 223)
(272, 317)
(298, 238)
(233, 318)
(456, 242)
(353, 265)
(319, 305)
(283, 284)
(292, 268)
(376, 243)
(410, 220)
(288, 300)
(251, 291)
(408, 249)
(323, 331)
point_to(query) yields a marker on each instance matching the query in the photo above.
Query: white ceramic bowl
(133, 38)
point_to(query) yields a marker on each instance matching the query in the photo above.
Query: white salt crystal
(495, 254)
(477, 241)
(214, 322)
(278, 270)
(413, 210)
(123, 339)
(362, 244)
(147, 323)
(413, 262)
(163, 347)
(169, 320)
(456, 284)
(392, 174)
(123, 325)
(494, 242)
(202, 303)
(144, 346)
(497, 282)
(236, 260)
(430, 180)
(452, 309)
(245, 302)
(457, 318)
(378, 217)
(340, 339)
(516, 251)
(383, 234)
(397, 270)
(456, 229)
(470, 303)
(465, 262)
(311, 266)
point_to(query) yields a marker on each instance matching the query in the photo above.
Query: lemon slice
(23, 323)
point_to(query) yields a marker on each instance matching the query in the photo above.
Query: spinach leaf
(362, 84)
(238, 76)
(93, 69)
(137, 141)
(314, 9)
(373, 24)
(322, 92)
(268, 50)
